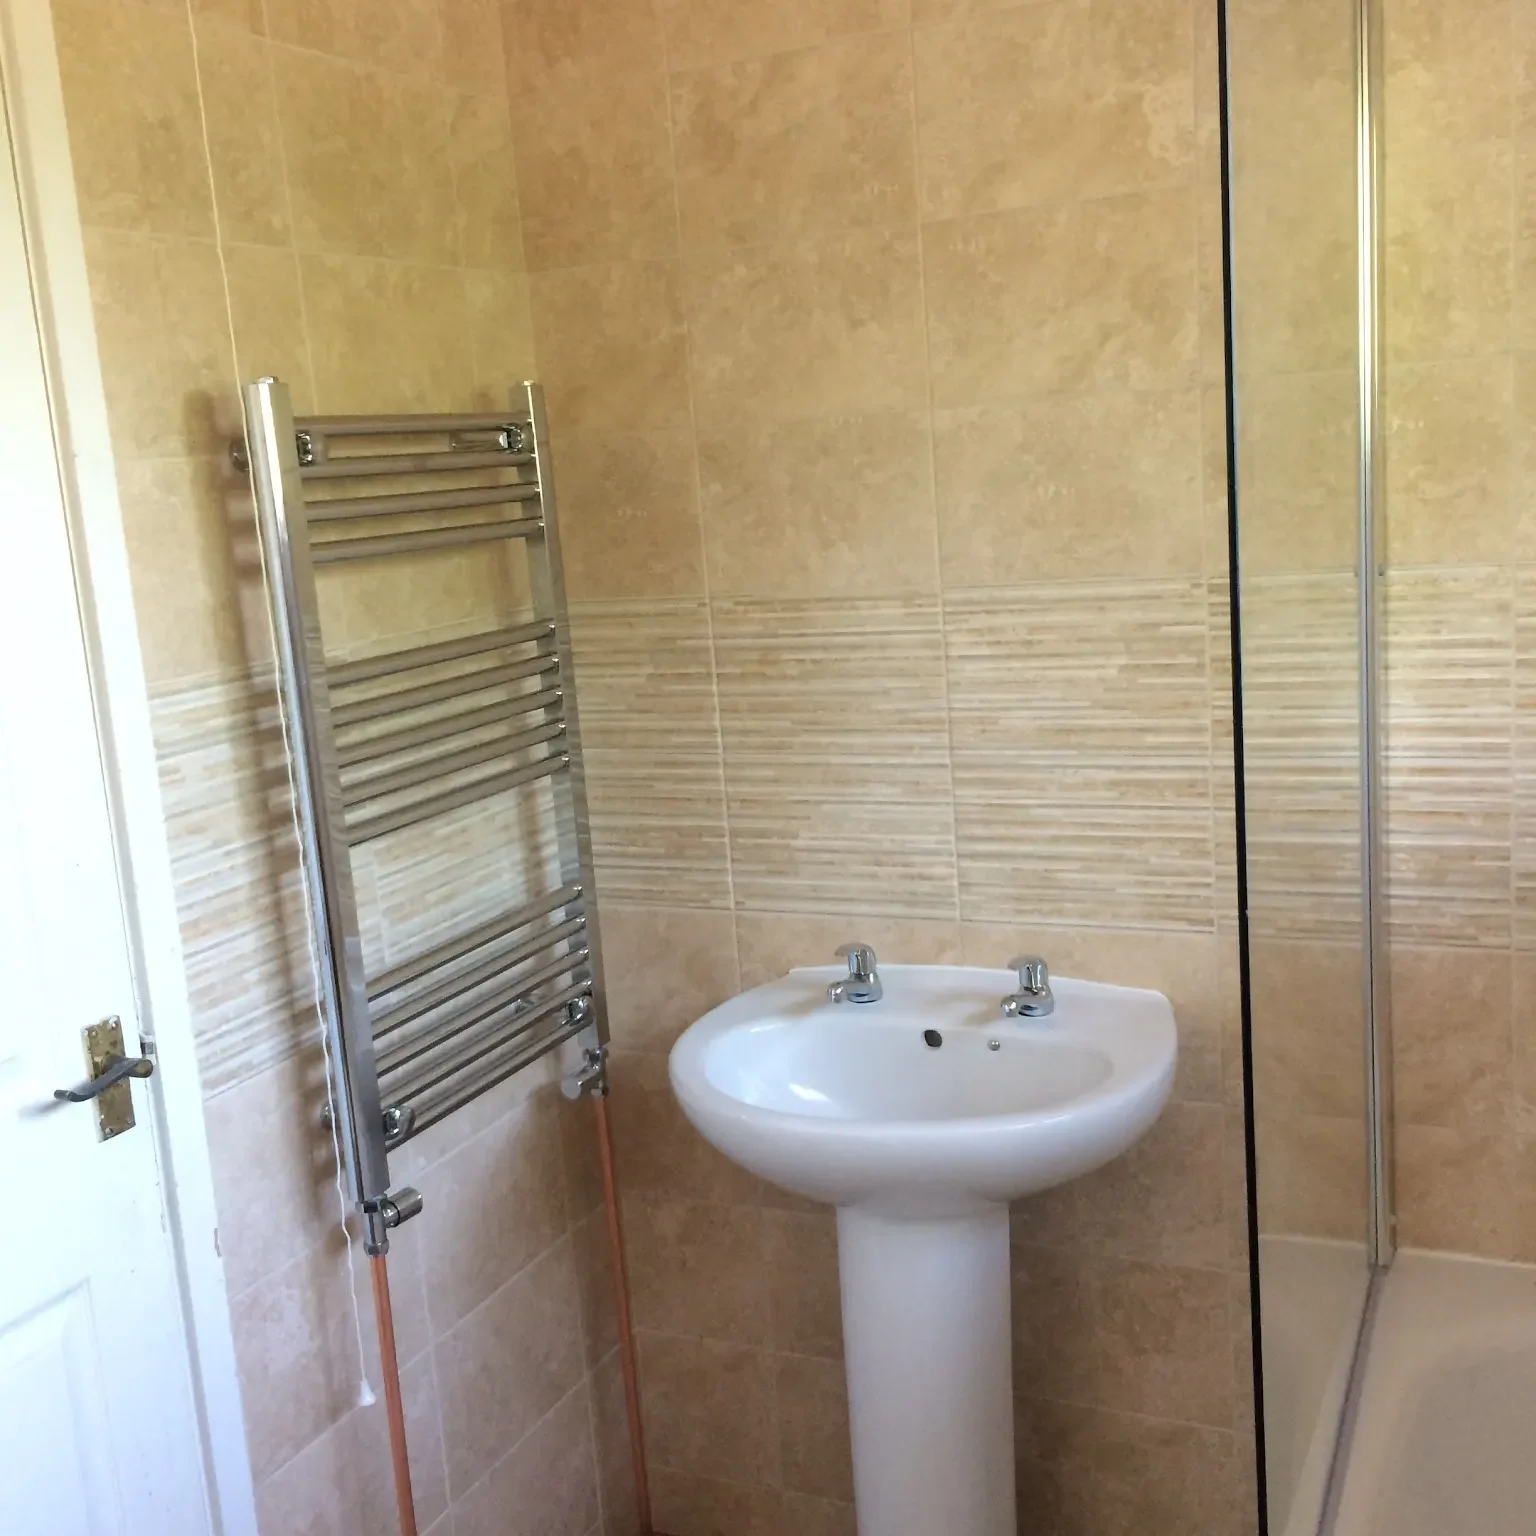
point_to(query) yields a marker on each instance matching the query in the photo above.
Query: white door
(98, 1432)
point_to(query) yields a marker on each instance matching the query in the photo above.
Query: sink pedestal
(928, 1341)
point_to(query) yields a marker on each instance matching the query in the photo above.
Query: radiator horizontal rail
(388, 744)
(412, 970)
(494, 1069)
(367, 828)
(414, 426)
(518, 1026)
(344, 674)
(414, 775)
(367, 465)
(465, 979)
(410, 503)
(515, 997)
(398, 700)
(378, 546)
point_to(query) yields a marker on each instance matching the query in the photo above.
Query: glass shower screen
(1300, 301)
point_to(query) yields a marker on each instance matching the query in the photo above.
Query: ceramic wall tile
(705, 1506)
(796, 144)
(548, 1477)
(594, 156)
(1448, 739)
(474, 41)
(1161, 1201)
(772, 943)
(553, 38)
(136, 132)
(405, 38)
(506, 1365)
(1524, 853)
(1445, 71)
(651, 743)
(266, 318)
(489, 221)
(717, 31)
(1450, 463)
(1456, 1076)
(182, 556)
(1080, 723)
(365, 152)
(650, 1005)
(629, 515)
(611, 347)
(1311, 1175)
(1071, 487)
(1109, 88)
(1068, 298)
(297, 1349)
(1306, 1002)
(699, 1270)
(815, 1456)
(244, 148)
(513, 1168)
(836, 507)
(501, 332)
(809, 328)
(1463, 1191)
(162, 331)
(1301, 754)
(1085, 1470)
(826, 812)
(363, 314)
(711, 1408)
(1122, 1335)
(1448, 249)
(1298, 471)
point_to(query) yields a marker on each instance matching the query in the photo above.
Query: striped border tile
(1082, 753)
(1450, 646)
(651, 743)
(836, 755)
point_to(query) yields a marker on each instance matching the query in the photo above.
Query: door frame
(32, 98)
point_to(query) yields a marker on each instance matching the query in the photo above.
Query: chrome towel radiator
(392, 741)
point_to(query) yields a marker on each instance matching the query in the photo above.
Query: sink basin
(920, 1117)
(848, 1103)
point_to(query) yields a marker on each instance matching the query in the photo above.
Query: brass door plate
(114, 1108)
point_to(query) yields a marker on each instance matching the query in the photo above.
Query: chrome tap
(863, 983)
(1033, 1000)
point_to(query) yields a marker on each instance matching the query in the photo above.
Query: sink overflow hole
(994, 1045)
(932, 1038)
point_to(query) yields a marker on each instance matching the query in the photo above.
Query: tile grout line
(698, 487)
(305, 330)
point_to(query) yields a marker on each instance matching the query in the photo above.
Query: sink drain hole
(932, 1038)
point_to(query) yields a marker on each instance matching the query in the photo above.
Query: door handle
(110, 1066)
(115, 1070)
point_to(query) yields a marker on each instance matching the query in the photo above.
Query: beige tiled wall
(883, 349)
(1459, 283)
(326, 192)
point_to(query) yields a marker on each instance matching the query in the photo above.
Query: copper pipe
(621, 1308)
(394, 1408)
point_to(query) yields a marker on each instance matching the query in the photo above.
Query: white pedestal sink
(921, 1146)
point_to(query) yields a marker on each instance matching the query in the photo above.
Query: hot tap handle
(1034, 975)
(861, 960)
